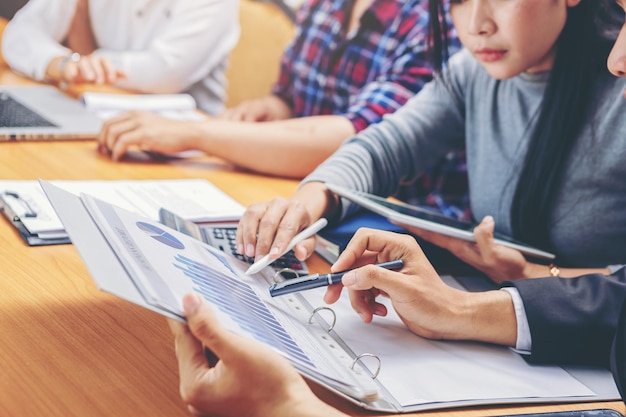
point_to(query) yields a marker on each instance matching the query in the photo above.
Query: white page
(421, 371)
(173, 106)
(192, 199)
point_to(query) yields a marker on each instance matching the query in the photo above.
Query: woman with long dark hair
(531, 99)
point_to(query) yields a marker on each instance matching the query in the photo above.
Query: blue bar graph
(241, 303)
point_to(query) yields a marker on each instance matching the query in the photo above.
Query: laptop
(43, 113)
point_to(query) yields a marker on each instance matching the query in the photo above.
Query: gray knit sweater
(494, 120)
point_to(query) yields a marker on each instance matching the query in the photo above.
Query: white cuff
(524, 339)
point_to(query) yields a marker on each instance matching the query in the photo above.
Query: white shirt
(164, 46)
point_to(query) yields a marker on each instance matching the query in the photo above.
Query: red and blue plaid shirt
(362, 75)
(366, 74)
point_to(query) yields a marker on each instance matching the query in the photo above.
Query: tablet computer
(429, 220)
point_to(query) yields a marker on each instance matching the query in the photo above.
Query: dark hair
(581, 54)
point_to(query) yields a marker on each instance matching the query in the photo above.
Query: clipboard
(381, 366)
(30, 238)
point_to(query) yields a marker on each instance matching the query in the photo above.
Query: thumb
(483, 233)
(205, 326)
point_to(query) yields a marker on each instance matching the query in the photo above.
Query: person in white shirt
(147, 46)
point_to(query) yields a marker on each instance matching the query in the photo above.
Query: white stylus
(306, 233)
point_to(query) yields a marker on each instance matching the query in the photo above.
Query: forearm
(289, 148)
(33, 37)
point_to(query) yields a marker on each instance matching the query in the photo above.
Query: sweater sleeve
(404, 144)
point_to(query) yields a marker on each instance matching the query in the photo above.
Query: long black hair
(581, 53)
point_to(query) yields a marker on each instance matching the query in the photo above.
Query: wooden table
(67, 349)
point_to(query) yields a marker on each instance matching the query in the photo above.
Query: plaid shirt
(361, 75)
(366, 74)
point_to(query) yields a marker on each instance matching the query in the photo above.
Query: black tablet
(429, 220)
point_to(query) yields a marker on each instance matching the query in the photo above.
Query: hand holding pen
(304, 234)
(316, 280)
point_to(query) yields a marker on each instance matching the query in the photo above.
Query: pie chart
(160, 235)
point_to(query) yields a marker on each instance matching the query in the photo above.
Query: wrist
(489, 317)
(62, 64)
(307, 405)
(318, 201)
(532, 270)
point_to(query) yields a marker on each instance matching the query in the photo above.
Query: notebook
(43, 113)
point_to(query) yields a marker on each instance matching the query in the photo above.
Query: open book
(380, 366)
(173, 106)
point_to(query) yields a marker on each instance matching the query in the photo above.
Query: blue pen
(316, 280)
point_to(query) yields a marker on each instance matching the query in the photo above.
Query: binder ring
(317, 310)
(278, 278)
(368, 355)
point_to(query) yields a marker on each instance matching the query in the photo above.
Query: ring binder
(280, 272)
(31, 239)
(318, 309)
(368, 355)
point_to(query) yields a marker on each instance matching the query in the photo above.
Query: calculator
(222, 236)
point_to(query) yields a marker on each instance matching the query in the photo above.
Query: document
(380, 366)
(26, 206)
(173, 106)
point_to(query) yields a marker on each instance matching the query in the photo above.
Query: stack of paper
(26, 206)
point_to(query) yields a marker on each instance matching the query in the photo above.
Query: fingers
(369, 245)
(205, 327)
(483, 234)
(366, 283)
(192, 363)
(117, 134)
(91, 69)
(248, 111)
(269, 227)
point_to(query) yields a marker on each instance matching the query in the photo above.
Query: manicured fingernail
(488, 219)
(250, 249)
(274, 251)
(191, 303)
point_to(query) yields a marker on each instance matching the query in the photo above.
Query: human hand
(498, 262)
(248, 379)
(272, 225)
(265, 109)
(143, 130)
(422, 300)
(92, 69)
